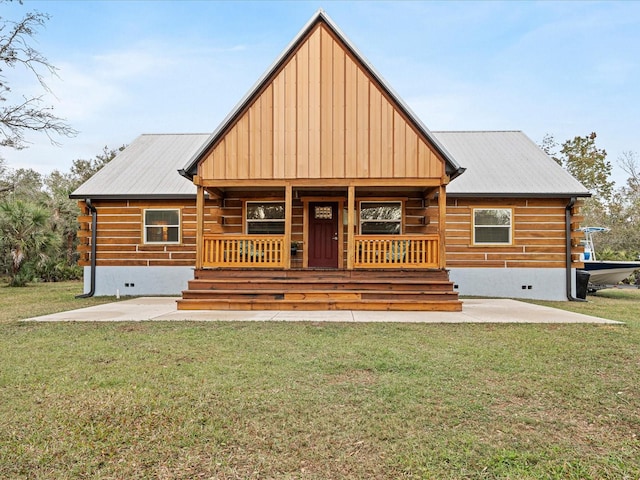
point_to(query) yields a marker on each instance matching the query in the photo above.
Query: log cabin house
(322, 190)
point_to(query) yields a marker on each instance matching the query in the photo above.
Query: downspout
(567, 234)
(94, 224)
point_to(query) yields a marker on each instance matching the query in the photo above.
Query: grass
(41, 299)
(314, 401)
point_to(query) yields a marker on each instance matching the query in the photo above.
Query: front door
(323, 235)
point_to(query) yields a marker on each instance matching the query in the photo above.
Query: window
(162, 226)
(492, 226)
(380, 218)
(265, 218)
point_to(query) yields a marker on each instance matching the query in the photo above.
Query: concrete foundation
(525, 283)
(138, 280)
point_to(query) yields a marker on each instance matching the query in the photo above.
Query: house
(323, 190)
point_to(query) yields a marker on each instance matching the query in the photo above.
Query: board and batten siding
(321, 116)
(538, 235)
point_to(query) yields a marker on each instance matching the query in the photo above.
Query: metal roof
(500, 164)
(147, 168)
(189, 170)
(506, 164)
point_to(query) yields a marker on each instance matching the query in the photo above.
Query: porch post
(351, 217)
(199, 223)
(288, 220)
(442, 225)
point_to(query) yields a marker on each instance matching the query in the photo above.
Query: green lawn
(316, 401)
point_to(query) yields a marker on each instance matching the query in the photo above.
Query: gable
(322, 112)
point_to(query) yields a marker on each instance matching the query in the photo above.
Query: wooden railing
(243, 251)
(396, 251)
(371, 251)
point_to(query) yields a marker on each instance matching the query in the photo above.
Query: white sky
(133, 67)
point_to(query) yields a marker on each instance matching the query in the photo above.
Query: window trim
(373, 200)
(474, 242)
(146, 241)
(247, 221)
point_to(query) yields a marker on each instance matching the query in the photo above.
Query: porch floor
(409, 290)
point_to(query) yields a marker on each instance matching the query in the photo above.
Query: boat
(603, 273)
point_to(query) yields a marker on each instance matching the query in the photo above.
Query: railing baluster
(397, 251)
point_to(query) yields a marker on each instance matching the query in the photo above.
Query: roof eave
(517, 195)
(150, 196)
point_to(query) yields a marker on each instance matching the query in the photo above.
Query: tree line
(614, 207)
(39, 222)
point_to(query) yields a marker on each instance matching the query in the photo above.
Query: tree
(25, 113)
(26, 184)
(549, 146)
(589, 165)
(5, 185)
(64, 211)
(25, 238)
(627, 226)
(629, 162)
(82, 170)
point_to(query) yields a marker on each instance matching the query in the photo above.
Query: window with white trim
(492, 226)
(380, 218)
(162, 226)
(266, 218)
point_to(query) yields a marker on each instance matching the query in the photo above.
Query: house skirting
(544, 283)
(526, 283)
(138, 280)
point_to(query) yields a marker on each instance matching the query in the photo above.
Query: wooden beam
(199, 227)
(328, 182)
(351, 217)
(215, 192)
(288, 220)
(442, 225)
(430, 193)
(341, 233)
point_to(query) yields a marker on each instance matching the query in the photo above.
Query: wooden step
(310, 305)
(334, 284)
(319, 274)
(426, 290)
(303, 295)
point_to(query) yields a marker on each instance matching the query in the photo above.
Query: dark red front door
(323, 235)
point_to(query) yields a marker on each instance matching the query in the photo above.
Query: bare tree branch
(30, 114)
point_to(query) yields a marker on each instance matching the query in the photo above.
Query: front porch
(353, 247)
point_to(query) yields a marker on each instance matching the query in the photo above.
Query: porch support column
(199, 224)
(442, 225)
(288, 220)
(351, 223)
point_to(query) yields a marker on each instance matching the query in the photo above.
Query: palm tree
(25, 237)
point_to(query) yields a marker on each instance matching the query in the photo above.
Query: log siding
(120, 236)
(538, 234)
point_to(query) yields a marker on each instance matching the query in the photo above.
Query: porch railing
(371, 251)
(243, 251)
(397, 251)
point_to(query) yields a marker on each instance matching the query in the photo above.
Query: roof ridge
(477, 131)
(174, 134)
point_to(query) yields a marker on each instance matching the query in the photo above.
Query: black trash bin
(582, 283)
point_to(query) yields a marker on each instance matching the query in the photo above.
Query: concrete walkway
(473, 311)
